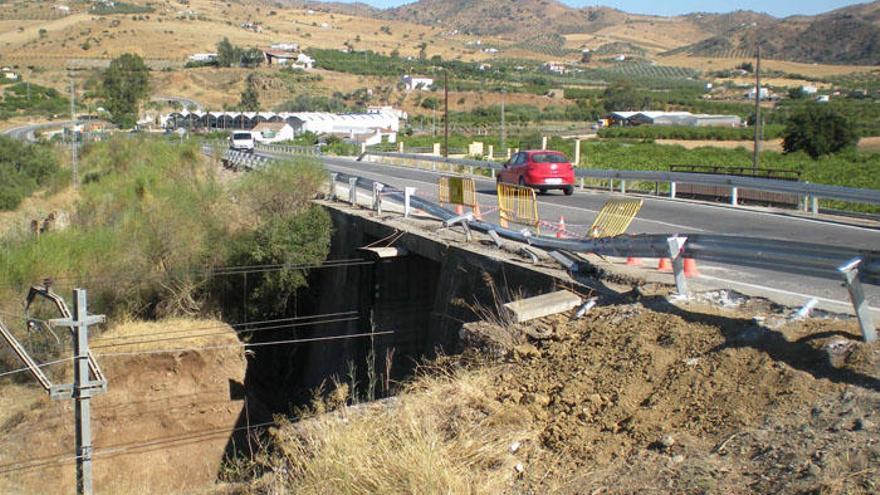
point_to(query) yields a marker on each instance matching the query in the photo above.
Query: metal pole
(757, 151)
(446, 113)
(81, 395)
(850, 272)
(73, 137)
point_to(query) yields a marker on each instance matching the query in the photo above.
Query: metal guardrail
(852, 266)
(291, 150)
(805, 189)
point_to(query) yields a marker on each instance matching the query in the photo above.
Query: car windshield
(549, 158)
(241, 135)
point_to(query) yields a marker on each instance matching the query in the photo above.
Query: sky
(778, 8)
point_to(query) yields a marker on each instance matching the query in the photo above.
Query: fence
(517, 204)
(460, 191)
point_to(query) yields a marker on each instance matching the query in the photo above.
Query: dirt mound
(632, 390)
(162, 426)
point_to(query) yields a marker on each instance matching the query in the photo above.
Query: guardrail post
(850, 272)
(543, 142)
(492, 171)
(814, 204)
(582, 183)
(672, 190)
(333, 177)
(734, 196)
(408, 193)
(623, 186)
(676, 246)
(470, 170)
(491, 152)
(352, 191)
(610, 185)
(377, 197)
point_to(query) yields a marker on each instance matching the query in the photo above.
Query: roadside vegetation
(27, 99)
(153, 223)
(771, 131)
(25, 168)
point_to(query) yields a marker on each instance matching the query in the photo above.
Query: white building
(765, 94)
(555, 67)
(9, 74)
(202, 57)
(273, 132)
(413, 83)
(809, 90)
(382, 123)
(304, 61)
(287, 47)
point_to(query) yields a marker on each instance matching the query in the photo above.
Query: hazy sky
(779, 8)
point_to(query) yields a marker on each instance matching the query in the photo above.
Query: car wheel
(569, 190)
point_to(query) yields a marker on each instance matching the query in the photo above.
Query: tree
(228, 55)
(622, 96)
(423, 54)
(126, 84)
(796, 93)
(818, 130)
(250, 98)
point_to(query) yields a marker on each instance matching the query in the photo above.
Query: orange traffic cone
(560, 234)
(665, 265)
(630, 261)
(690, 268)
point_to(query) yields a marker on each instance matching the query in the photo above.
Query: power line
(187, 337)
(43, 365)
(218, 271)
(243, 345)
(233, 325)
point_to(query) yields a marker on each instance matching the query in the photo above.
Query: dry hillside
(162, 427)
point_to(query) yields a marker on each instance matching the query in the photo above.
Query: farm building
(289, 59)
(622, 119)
(273, 132)
(381, 121)
(202, 57)
(412, 83)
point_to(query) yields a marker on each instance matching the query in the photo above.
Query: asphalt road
(661, 215)
(26, 132)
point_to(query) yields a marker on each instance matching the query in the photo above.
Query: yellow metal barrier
(517, 204)
(457, 191)
(615, 216)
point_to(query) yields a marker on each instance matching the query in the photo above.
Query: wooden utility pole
(503, 128)
(756, 155)
(446, 113)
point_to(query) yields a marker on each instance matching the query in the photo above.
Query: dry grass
(443, 435)
(718, 63)
(168, 334)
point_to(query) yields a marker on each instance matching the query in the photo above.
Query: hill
(505, 17)
(845, 36)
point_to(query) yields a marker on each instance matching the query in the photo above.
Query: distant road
(27, 132)
(185, 102)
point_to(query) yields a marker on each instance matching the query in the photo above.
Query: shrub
(23, 169)
(818, 130)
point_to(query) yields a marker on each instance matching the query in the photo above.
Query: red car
(541, 169)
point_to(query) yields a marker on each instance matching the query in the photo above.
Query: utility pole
(756, 156)
(503, 143)
(446, 112)
(73, 136)
(83, 386)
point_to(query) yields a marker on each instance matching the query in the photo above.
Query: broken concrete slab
(544, 305)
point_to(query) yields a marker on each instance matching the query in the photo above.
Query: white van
(242, 141)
